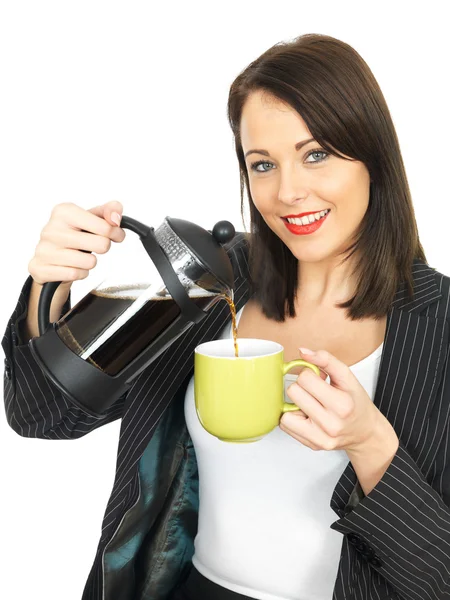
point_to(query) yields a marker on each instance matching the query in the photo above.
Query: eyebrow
(298, 146)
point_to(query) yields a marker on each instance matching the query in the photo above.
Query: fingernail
(306, 351)
(115, 218)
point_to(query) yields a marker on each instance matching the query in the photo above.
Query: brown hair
(329, 84)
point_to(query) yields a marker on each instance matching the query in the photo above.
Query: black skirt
(197, 587)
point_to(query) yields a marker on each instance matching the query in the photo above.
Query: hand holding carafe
(65, 252)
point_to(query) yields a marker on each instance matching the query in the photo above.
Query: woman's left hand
(339, 415)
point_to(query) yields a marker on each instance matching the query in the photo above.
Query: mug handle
(287, 406)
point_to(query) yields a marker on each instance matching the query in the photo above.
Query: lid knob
(223, 232)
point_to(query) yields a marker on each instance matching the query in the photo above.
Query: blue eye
(318, 152)
(254, 166)
(257, 163)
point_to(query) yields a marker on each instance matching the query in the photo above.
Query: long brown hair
(332, 88)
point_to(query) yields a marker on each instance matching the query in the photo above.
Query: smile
(297, 229)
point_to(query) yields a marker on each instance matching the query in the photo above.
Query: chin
(305, 256)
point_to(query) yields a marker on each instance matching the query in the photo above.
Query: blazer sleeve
(402, 527)
(34, 406)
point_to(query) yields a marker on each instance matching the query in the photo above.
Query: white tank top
(264, 515)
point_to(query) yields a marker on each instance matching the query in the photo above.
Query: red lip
(302, 214)
(305, 229)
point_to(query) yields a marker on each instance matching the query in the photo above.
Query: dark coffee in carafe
(111, 327)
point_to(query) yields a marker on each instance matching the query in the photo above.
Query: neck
(324, 283)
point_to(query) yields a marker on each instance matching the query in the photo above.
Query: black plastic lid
(206, 246)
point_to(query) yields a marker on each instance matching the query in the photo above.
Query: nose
(291, 189)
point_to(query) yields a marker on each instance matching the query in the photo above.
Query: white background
(127, 101)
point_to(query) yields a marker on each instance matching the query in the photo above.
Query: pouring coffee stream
(97, 349)
(233, 323)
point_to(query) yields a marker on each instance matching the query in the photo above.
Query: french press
(97, 349)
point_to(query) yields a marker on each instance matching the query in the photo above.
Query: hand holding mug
(336, 416)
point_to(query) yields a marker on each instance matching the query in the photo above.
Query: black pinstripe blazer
(396, 540)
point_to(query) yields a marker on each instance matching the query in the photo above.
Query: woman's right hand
(71, 229)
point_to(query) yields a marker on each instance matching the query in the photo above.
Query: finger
(75, 240)
(60, 273)
(297, 437)
(107, 212)
(78, 218)
(340, 375)
(64, 257)
(313, 389)
(305, 431)
(309, 404)
(322, 373)
(301, 413)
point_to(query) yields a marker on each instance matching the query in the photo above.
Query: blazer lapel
(411, 367)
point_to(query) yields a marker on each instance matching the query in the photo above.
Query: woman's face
(289, 181)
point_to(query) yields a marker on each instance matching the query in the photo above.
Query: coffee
(233, 322)
(100, 330)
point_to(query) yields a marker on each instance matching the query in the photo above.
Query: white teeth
(309, 218)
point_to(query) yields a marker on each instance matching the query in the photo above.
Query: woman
(370, 443)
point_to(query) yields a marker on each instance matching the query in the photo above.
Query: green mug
(241, 399)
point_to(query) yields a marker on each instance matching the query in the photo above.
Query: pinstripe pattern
(396, 541)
